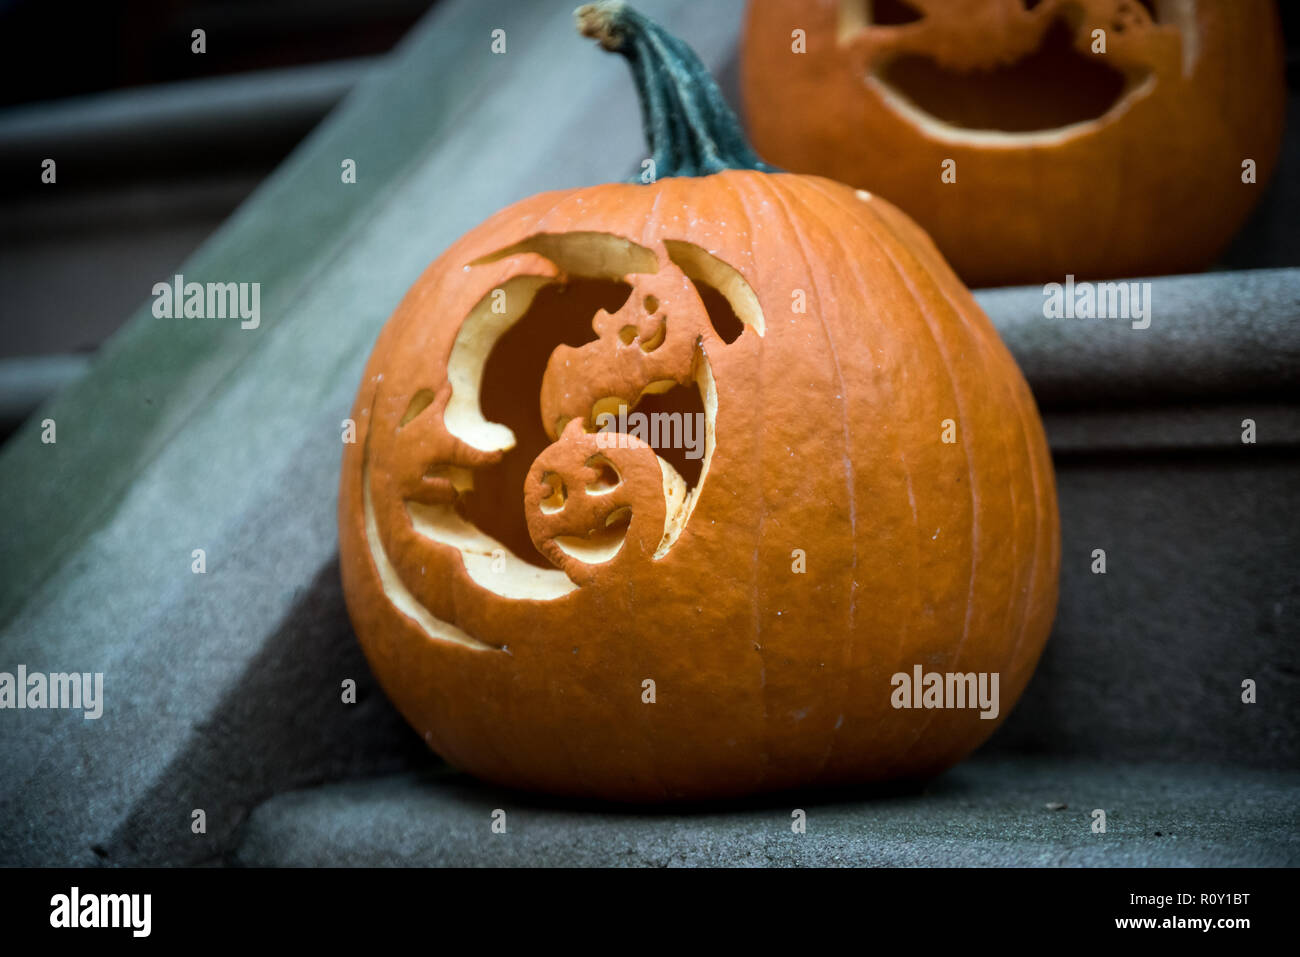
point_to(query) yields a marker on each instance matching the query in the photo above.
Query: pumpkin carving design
(1031, 138)
(716, 609)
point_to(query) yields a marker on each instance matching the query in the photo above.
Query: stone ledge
(1213, 335)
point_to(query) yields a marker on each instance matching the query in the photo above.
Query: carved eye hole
(628, 334)
(618, 520)
(419, 402)
(610, 405)
(607, 478)
(555, 501)
(1134, 13)
(657, 338)
(460, 478)
(891, 13)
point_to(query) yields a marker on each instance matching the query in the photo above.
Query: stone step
(983, 813)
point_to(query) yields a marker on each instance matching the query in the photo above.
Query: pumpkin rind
(828, 440)
(1154, 186)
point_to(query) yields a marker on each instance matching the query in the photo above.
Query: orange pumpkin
(1031, 138)
(559, 605)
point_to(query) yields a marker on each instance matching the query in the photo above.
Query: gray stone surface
(1269, 237)
(982, 813)
(1212, 337)
(1201, 591)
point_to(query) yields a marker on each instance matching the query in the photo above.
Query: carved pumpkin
(591, 612)
(1064, 159)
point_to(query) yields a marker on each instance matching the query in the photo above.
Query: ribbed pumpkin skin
(1155, 188)
(828, 440)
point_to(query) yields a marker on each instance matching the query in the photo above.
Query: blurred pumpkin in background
(603, 613)
(1030, 138)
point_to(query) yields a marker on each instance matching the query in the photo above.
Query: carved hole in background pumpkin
(891, 13)
(1053, 87)
(855, 15)
(511, 381)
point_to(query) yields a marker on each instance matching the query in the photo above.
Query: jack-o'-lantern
(1031, 138)
(843, 477)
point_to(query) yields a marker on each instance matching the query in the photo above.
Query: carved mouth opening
(391, 581)
(1052, 88)
(602, 544)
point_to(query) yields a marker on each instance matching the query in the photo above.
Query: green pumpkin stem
(689, 127)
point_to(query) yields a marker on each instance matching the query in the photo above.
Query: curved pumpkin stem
(689, 127)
